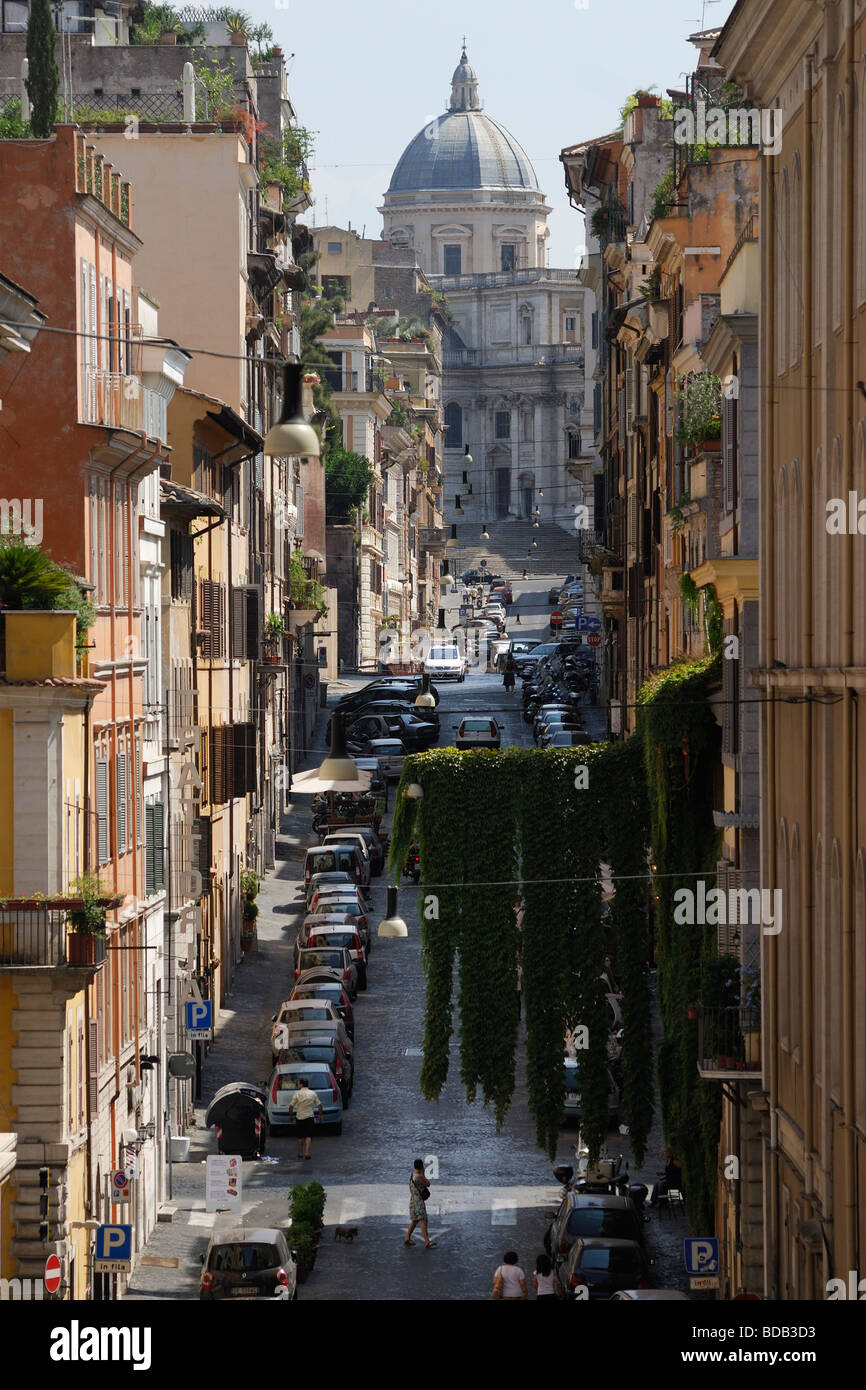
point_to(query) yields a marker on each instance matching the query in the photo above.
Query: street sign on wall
(113, 1250)
(701, 1256)
(120, 1185)
(593, 639)
(53, 1274)
(199, 1019)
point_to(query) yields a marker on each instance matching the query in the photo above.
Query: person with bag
(509, 1280)
(546, 1280)
(419, 1191)
(510, 669)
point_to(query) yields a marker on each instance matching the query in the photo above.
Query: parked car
(447, 662)
(314, 985)
(648, 1296)
(375, 848)
(553, 594)
(390, 754)
(329, 934)
(349, 836)
(387, 709)
(401, 688)
(500, 588)
(285, 1081)
(600, 1268)
(330, 877)
(337, 858)
(326, 1028)
(572, 1107)
(591, 1214)
(478, 732)
(299, 1011)
(416, 735)
(527, 663)
(333, 911)
(568, 738)
(318, 1047)
(249, 1264)
(338, 958)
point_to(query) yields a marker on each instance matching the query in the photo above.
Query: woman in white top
(509, 1280)
(544, 1278)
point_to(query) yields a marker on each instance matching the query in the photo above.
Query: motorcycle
(412, 867)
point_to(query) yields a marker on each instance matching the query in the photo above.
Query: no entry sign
(52, 1274)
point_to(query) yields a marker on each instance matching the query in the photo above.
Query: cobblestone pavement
(492, 1191)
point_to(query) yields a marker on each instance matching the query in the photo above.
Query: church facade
(465, 196)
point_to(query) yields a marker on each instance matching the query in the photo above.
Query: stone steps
(556, 555)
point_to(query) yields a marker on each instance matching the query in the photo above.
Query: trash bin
(323, 694)
(179, 1145)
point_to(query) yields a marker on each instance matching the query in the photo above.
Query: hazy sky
(367, 76)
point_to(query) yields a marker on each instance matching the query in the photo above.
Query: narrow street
(489, 1192)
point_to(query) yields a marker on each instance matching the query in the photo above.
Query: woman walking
(510, 671)
(509, 1281)
(544, 1278)
(418, 1185)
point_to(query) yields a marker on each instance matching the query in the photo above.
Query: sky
(368, 76)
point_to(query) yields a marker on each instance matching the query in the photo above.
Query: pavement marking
(413, 1052)
(351, 1211)
(202, 1218)
(503, 1213)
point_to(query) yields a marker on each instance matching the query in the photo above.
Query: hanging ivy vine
(680, 741)
(625, 821)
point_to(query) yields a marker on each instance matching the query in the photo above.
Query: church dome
(464, 148)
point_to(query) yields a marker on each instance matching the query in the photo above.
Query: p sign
(702, 1255)
(199, 1019)
(113, 1252)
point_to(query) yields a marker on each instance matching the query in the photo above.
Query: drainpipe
(845, 1241)
(768, 761)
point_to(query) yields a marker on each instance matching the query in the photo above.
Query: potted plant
(274, 633)
(307, 1211)
(238, 25)
(86, 941)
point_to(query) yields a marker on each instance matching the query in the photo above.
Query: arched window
(453, 425)
(573, 443)
(526, 326)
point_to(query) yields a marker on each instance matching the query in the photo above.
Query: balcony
(612, 588)
(32, 935)
(431, 540)
(495, 278)
(531, 355)
(112, 399)
(729, 1043)
(343, 382)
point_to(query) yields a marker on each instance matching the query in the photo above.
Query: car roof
(592, 1242)
(580, 1201)
(320, 1067)
(304, 979)
(238, 1235)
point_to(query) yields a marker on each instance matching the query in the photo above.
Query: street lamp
(467, 457)
(391, 924)
(485, 534)
(292, 435)
(458, 510)
(425, 699)
(414, 791)
(338, 766)
(452, 539)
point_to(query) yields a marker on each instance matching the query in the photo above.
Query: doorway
(503, 491)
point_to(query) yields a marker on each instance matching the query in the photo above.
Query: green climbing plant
(680, 743)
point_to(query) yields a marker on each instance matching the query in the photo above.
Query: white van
(444, 661)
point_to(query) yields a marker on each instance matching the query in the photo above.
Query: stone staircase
(558, 551)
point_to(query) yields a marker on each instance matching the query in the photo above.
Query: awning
(184, 502)
(233, 424)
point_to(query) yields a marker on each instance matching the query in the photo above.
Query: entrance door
(528, 494)
(503, 491)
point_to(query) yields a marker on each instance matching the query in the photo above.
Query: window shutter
(122, 839)
(228, 759)
(149, 878)
(254, 624)
(201, 829)
(158, 846)
(93, 1066)
(215, 766)
(242, 741)
(239, 624)
(102, 852)
(139, 800)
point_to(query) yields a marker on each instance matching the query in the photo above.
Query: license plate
(245, 1289)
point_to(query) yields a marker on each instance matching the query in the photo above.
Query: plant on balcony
(152, 21)
(651, 287)
(89, 920)
(284, 161)
(676, 513)
(399, 415)
(43, 78)
(700, 408)
(217, 82)
(12, 127)
(663, 195)
(348, 477)
(238, 23)
(607, 220)
(306, 593)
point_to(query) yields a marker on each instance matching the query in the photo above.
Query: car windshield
(477, 725)
(291, 1080)
(444, 654)
(599, 1221)
(321, 957)
(616, 1260)
(323, 863)
(337, 938)
(333, 992)
(243, 1259)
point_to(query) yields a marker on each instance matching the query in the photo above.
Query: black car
(393, 709)
(603, 1215)
(400, 688)
(599, 1268)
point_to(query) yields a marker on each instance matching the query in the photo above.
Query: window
(102, 852)
(336, 287)
(246, 623)
(573, 444)
(570, 324)
(335, 248)
(181, 564)
(15, 17)
(507, 256)
(503, 424)
(122, 819)
(526, 327)
(453, 260)
(528, 425)
(155, 848)
(453, 425)
(211, 619)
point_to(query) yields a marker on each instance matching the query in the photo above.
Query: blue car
(285, 1081)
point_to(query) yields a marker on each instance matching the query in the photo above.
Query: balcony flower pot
(711, 446)
(238, 39)
(169, 38)
(299, 617)
(84, 948)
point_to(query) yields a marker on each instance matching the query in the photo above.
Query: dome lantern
(464, 86)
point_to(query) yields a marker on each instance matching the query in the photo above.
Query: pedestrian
(517, 619)
(509, 1280)
(519, 984)
(671, 1179)
(545, 1279)
(303, 1103)
(419, 1191)
(510, 669)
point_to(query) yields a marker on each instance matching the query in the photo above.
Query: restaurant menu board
(223, 1183)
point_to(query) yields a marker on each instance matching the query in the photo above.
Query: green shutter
(122, 819)
(102, 851)
(158, 846)
(149, 852)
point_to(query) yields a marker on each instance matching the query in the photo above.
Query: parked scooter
(412, 867)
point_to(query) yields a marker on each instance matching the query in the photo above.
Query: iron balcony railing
(40, 936)
(528, 276)
(528, 355)
(729, 1041)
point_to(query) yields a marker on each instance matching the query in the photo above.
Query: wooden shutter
(139, 799)
(254, 624)
(158, 810)
(181, 565)
(148, 854)
(215, 765)
(239, 759)
(93, 1067)
(102, 850)
(202, 851)
(238, 634)
(122, 821)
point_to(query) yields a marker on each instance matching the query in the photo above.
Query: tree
(29, 578)
(347, 481)
(43, 78)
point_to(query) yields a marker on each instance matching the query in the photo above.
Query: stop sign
(52, 1274)
(594, 639)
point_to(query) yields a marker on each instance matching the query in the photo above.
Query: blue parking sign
(113, 1252)
(701, 1255)
(199, 1019)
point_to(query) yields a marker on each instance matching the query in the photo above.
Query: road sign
(309, 681)
(585, 623)
(482, 564)
(120, 1185)
(199, 1019)
(113, 1252)
(51, 1277)
(182, 1065)
(593, 639)
(707, 1281)
(701, 1255)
